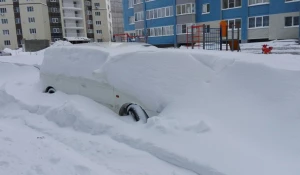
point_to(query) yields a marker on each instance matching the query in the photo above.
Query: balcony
(75, 35)
(75, 17)
(72, 6)
(73, 26)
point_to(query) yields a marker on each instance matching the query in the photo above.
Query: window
(97, 13)
(7, 42)
(130, 3)
(296, 20)
(131, 20)
(19, 32)
(52, 0)
(159, 13)
(2, 0)
(231, 4)
(99, 31)
(234, 23)
(183, 28)
(56, 30)
(90, 30)
(32, 31)
(139, 16)
(183, 9)
(139, 32)
(98, 23)
(17, 9)
(137, 1)
(2, 10)
(31, 19)
(90, 21)
(4, 21)
(5, 32)
(291, 21)
(54, 10)
(97, 4)
(205, 8)
(18, 21)
(88, 3)
(88, 12)
(54, 20)
(291, 0)
(255, 2)
(30, 9)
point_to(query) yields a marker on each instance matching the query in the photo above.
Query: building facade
(74, 20)
(165, 22)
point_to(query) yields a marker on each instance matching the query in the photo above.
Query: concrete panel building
(35, 19)
(8, 37)
(74, 20)
(166, 22)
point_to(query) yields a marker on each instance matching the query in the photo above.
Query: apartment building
(74, 20)
(117, 16)
(165, 22)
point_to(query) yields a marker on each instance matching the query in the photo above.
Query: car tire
(50, 90)
(137, 113)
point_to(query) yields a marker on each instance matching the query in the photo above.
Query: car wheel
(50, 90)
(137, 112)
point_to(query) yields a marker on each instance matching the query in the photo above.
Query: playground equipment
(205, 37)
(266, 50)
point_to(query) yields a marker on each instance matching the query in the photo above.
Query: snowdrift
(222, 113)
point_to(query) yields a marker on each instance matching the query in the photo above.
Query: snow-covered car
(135, 79)
(2, 53)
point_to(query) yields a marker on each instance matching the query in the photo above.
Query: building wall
(117, 16)
(54, 12)
(105, 21)
(276, 10)
(40, 14)
(278, 30)
(73, 19)
(9, 15)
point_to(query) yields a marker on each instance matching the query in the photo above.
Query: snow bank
(223, 113)
(61, 43)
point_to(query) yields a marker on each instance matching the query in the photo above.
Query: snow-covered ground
(279, 47)
(242, 119)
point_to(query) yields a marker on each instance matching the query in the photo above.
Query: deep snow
(241, 117)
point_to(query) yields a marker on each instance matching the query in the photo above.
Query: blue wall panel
(158, 4)
(279, 6)
(127, 12)
(161, 40)
(259, 10)
(215, 11)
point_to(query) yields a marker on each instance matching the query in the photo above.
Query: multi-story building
(117, 16)
(74, 20)
(55, 20)
(165, 22)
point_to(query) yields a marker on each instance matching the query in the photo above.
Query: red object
(266, 50)
(195, 37)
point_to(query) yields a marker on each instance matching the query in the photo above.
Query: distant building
(165, 21)
(73, 20)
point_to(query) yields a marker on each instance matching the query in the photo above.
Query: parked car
(131, 79)
(2, 53)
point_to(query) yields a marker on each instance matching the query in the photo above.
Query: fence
(125, 37)
(204, 37)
